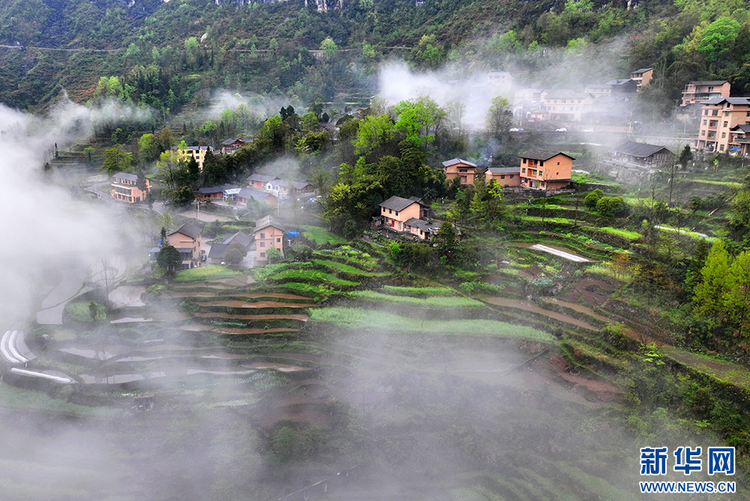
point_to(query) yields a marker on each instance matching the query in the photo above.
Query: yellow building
(196, 152)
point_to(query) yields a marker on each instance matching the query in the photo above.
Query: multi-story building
(196, 152)
(642, 77)
(546, 170)
(269, 234)
(566, 105)
(125, 187)
(187, 240)
(718, 116)
(703, 90)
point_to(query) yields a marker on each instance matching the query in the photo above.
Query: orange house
(396, 211)
(269, 233)
(546, 170)
(456, 167)
(642, 77)
(187, 240)
(125, 187)
(505, 176)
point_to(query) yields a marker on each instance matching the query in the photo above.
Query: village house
(214, 193)
(739, 140)
(457, 168)
(718, 116)
(702, 90)
(546, 170)
(643, 154)
(196, 152)
(642, 77)
(259, 181)
(218, 250)
(505, 176)
(125, 188)
(269, 233)
(502, 80)
(233, 144)
(407, 215)
(187, 240)
(244, 195)
(566, 105)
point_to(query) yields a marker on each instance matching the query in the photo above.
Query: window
(397, 213)
(524, 160)
(726, 123)
(721, 147)
(723, 135)
(390, 211)
(502, 176)
(262, 244)
(523, 170)
(278, 240)
(715, 113)
(262, 235)
(262, 254)
(726, 113)
(512, 175)
(541, 164)
(705, 122)
(703, 133)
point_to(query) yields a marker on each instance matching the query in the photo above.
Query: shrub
(592, 198)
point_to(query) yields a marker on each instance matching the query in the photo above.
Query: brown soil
(578, 308)
(258, 304)
(529, 306)
(303, 318)
(589, 291)
(592, 388)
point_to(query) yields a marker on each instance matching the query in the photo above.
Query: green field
(721, 370)
(360, 319)
(312, 276)
(435, 302)
(205, 273)
(320, 235)
(416, 291)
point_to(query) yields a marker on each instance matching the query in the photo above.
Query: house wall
(504, 179)
(467, 173)
(567, 108)
(127, 191)
(180, 241)
(396, 219)
(715, 122)
(699, 93)
(266, 238)
(199, 155)
(541, 175)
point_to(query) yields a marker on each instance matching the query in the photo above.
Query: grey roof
(642, 70)
(257, 195)
(543, 155)
(267, 221)
(216, 189)
(421, 224)
(298, 185)
(232, 140)
(262, 178)
(708, 82)
(505, 170)
(454, 161)
(397, 203)
(640, 150)
(125, 175)
(240, 238)
(743, 127)
(217, 251)
(188, 229)
(730, 100)
(619, 81)
(198, 148)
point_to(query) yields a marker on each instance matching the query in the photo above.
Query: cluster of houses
(269, 233)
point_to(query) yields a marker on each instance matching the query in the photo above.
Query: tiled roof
(397, 203)
(640, 150)
(455, 161)
(543, 155)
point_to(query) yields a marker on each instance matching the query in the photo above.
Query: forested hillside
(169, 54)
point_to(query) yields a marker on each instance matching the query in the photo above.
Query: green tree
(593, 198)
(373, 131)
(737, 300)
(149, 148)
(169, 260)
(417, 120)
(328, 46)
(499, 118)
(718, 38)
(710, 294)
(116, 159)
(235, 253)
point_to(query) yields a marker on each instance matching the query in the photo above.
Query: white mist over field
(45, 227)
